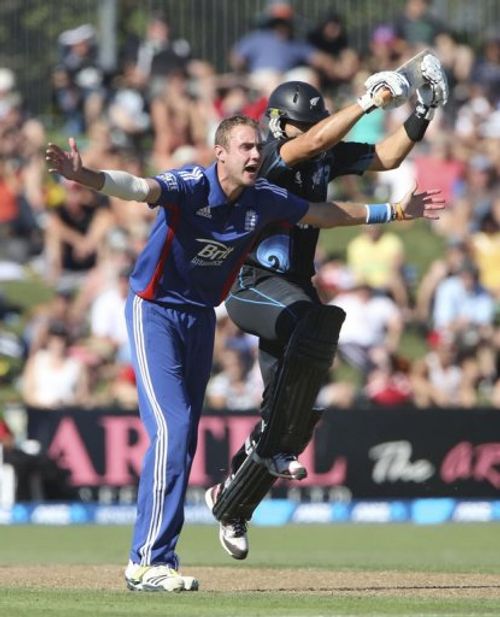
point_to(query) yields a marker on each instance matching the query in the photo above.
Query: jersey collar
(216, 196)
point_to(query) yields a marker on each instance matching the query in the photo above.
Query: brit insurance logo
(212, 253)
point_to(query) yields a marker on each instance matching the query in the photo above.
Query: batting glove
(434, 92)
(376, 84)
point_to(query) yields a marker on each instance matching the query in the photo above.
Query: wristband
(123, 185)
(378, 213)
(415, 127)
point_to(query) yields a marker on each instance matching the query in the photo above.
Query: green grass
(16, 603)
(439, 548)
(447, 548)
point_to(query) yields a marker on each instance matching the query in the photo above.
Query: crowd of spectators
(160, 110)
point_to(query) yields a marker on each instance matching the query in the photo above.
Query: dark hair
(58, 328)
(227, 125)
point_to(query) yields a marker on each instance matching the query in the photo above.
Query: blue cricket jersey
(200, 240)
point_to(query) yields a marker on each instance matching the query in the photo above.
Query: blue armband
(378, 213)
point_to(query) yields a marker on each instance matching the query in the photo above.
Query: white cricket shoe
(285, 466)
(232, 534)
(158, 578)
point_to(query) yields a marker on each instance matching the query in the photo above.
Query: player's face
(243, 155)
(294, 129)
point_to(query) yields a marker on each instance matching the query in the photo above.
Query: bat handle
(382, 96)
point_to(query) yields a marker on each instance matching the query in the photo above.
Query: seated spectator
(416, 24)
(10, 99)
(177, 121)
(122, 388)
(107, 318)
(114, 257)
(486, 71)
(440, 379)
(440, 167)
(372, 327)
(376, 257)
(485, 246)
(127, 110)
(60, 309)
(333, 277)
(457, 59)
(455, 255)
(268, 53)
(156, 55)
(79, 76)
(235, 387)
(330, 37)
(52, 379)
(462, 303)
(389, 383)
(74, 232)
(336, 393)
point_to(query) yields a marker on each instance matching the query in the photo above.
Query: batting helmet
(296, 100)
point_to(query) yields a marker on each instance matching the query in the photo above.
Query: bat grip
(382, 96)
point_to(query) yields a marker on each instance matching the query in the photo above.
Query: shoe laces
(238, 527)
(164, 571)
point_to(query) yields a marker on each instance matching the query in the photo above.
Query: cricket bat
(412, 70)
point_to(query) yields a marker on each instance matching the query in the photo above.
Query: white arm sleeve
(124, 185)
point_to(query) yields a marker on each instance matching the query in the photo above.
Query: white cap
(7, 79)
(77, 35)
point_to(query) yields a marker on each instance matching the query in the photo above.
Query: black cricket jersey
(290, 249)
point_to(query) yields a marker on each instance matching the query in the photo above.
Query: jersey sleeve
(285, 205)
(174, 185)
(350, 158)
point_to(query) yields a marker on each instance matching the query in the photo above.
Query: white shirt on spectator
(107, 317)
(55, 386)
(366, 322)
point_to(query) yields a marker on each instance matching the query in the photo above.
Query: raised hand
(434, 92)
(425, 204)
(386, 89)
(63, 162)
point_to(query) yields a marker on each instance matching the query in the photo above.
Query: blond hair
(227, 125)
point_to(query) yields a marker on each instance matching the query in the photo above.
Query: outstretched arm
(426, 204)
(68, 163)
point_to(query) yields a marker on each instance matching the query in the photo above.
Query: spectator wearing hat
(78, 79)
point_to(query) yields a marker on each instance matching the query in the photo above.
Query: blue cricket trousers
(172, 355)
